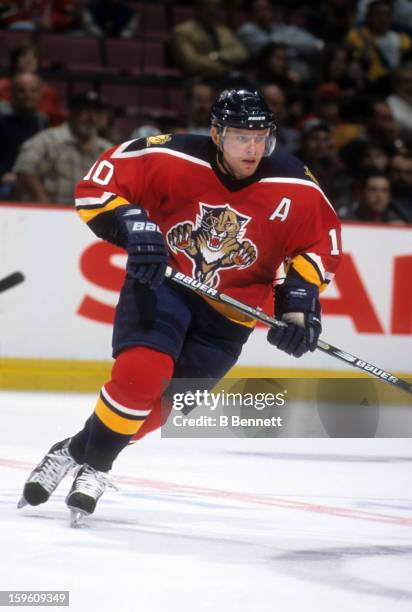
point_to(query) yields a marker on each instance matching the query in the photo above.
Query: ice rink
(234, 525)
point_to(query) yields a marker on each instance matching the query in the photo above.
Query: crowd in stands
(79, 76)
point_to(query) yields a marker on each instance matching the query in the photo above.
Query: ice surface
(225, 525)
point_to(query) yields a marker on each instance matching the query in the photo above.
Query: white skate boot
(87, 488)
(47, 475)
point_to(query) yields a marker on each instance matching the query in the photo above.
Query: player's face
(243, 150)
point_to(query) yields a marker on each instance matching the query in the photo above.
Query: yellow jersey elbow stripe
(116, 422)
(307, 269)
(90, 212)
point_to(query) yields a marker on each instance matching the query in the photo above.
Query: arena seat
(72, 53)
(124, 55)
(153, 21)
(154, 60)
(10, 40)
(122, 96)
(176, 99)
(125, 126)
(153, 97)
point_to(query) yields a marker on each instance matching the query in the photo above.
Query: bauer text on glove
(145, 245)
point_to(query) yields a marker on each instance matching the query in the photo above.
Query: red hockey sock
(139, 377)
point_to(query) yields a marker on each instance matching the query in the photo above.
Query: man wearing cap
(52, 162)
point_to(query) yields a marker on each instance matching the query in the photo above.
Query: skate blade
(21, 503)
(76, 517)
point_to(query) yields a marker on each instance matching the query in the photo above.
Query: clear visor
(242, 143)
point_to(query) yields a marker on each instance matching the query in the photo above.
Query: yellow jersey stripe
(87, 214)
(306, 270)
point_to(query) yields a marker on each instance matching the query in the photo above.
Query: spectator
(287, 139)
(338, 111)
(400, 102)
(203, 48)
(373, 201)
(52, 162)
(19, 124)
(106, 122)
(327, 104)
(37, 15)
(272, 65)
(326, 99)
(364, 157)
(330, 20)
(336, 64)
(110, 18)
(373, 157)
(319, 153)
(345, 69)
(262, 29)
(380, 128)
(200, 98)
(401, 13)
(400, 168)
(380, 46)
(26, 59)
(298, 104)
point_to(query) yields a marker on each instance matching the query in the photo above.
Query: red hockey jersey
(231, 234)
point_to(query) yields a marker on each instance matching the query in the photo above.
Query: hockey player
(227, 210)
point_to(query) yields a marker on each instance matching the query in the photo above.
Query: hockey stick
(259, 315)
(11, 281)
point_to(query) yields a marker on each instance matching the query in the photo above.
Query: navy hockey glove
(297, 304)
(144, 243)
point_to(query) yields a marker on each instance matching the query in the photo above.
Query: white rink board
(40, 318)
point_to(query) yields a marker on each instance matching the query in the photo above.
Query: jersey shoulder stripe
(186, 146)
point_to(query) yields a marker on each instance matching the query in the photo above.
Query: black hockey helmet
(243, 109)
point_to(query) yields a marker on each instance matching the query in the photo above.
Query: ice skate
(47, 475)
(87, 488)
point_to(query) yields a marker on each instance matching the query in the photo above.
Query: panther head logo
(214, 242)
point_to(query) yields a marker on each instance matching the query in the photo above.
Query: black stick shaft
(11, 281)
(259, 315)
